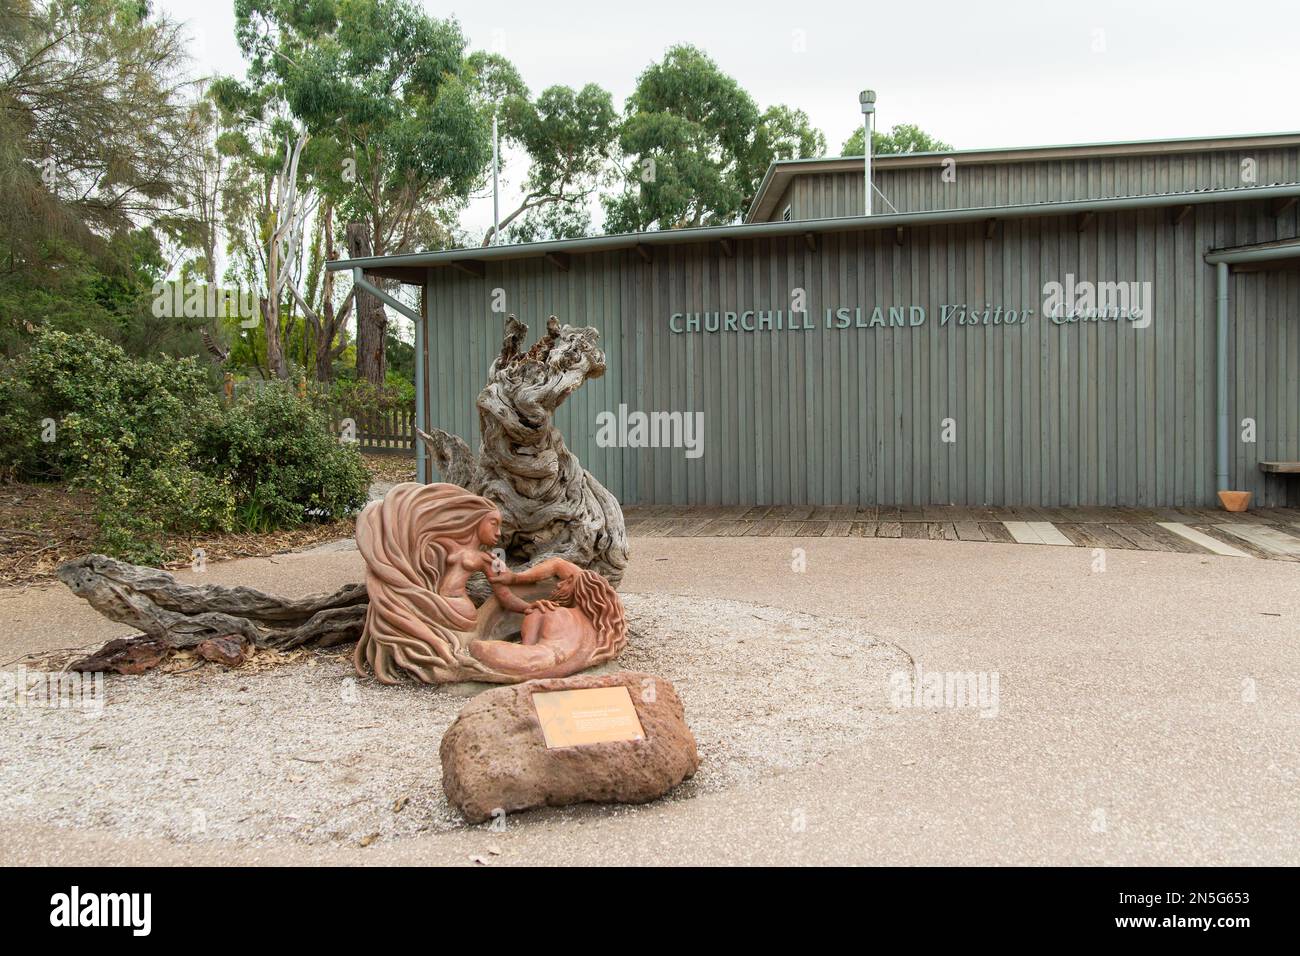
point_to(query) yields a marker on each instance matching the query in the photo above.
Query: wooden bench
(1280, 467)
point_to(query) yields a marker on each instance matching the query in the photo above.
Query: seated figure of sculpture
(422, 544)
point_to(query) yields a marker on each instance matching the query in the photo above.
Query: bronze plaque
(590, 715)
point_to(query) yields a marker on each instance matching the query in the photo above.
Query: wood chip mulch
(394, 468)
(42, 526)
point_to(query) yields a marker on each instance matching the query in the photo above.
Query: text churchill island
(846, 317)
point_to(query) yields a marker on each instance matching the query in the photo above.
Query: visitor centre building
(1114, 324)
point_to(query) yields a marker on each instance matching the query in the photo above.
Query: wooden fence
(383, 431)
(377, 432)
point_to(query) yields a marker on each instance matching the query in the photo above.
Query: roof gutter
(1268, 254)
(763, 230)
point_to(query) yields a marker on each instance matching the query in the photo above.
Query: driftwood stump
(550, 505)
(204, 618)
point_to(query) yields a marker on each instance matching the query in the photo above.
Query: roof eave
(816, 226)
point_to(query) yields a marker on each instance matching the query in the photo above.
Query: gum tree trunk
(372, 320)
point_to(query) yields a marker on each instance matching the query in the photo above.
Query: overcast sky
(1018, 73)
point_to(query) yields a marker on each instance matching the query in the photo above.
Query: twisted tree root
(175, 616)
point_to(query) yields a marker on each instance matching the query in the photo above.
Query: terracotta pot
(1234, 500)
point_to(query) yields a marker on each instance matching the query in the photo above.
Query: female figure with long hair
(421, 545)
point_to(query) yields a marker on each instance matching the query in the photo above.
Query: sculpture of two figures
(422, 544)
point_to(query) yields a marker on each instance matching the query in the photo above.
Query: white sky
(1019, 73)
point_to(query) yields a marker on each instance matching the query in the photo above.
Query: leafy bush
(359, 395)
(77, 407)
(136, 514)
(278, 454)
(161, 452)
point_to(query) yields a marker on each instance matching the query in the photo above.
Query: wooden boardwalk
(1272, 533)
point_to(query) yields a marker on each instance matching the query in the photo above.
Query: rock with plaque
(603, 738)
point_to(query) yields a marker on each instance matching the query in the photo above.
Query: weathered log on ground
(550, 505)
(184, 616)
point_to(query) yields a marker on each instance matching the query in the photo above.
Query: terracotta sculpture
(422, 544)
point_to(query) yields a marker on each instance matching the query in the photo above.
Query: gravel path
(307, 753)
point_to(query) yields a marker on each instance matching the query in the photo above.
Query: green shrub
(161, 452)
(80, 409)
(284, 465)
(136, 514)
(359, 395)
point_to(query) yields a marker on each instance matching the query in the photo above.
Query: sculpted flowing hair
(599, 603)
(595, 599)
(405, 539)
(411, 629)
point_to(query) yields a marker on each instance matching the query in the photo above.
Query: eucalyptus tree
(267, 201)
(327, 320)
(901, 138)
(392, 90)
(197, 227)
(569, 137)
(782, 133)
(696, 145)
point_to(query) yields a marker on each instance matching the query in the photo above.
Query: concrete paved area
(1148, 711)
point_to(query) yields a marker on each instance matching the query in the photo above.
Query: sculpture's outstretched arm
(508, 598)
(542, 570)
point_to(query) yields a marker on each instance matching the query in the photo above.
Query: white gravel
(309, 752)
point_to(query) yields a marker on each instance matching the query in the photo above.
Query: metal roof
(401, 266)
(780, 172)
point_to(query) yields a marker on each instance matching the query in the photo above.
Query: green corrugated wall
(1100, 414)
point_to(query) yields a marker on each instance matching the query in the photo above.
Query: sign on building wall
(1064, 303)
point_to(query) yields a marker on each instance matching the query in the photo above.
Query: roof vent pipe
(867, 100)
